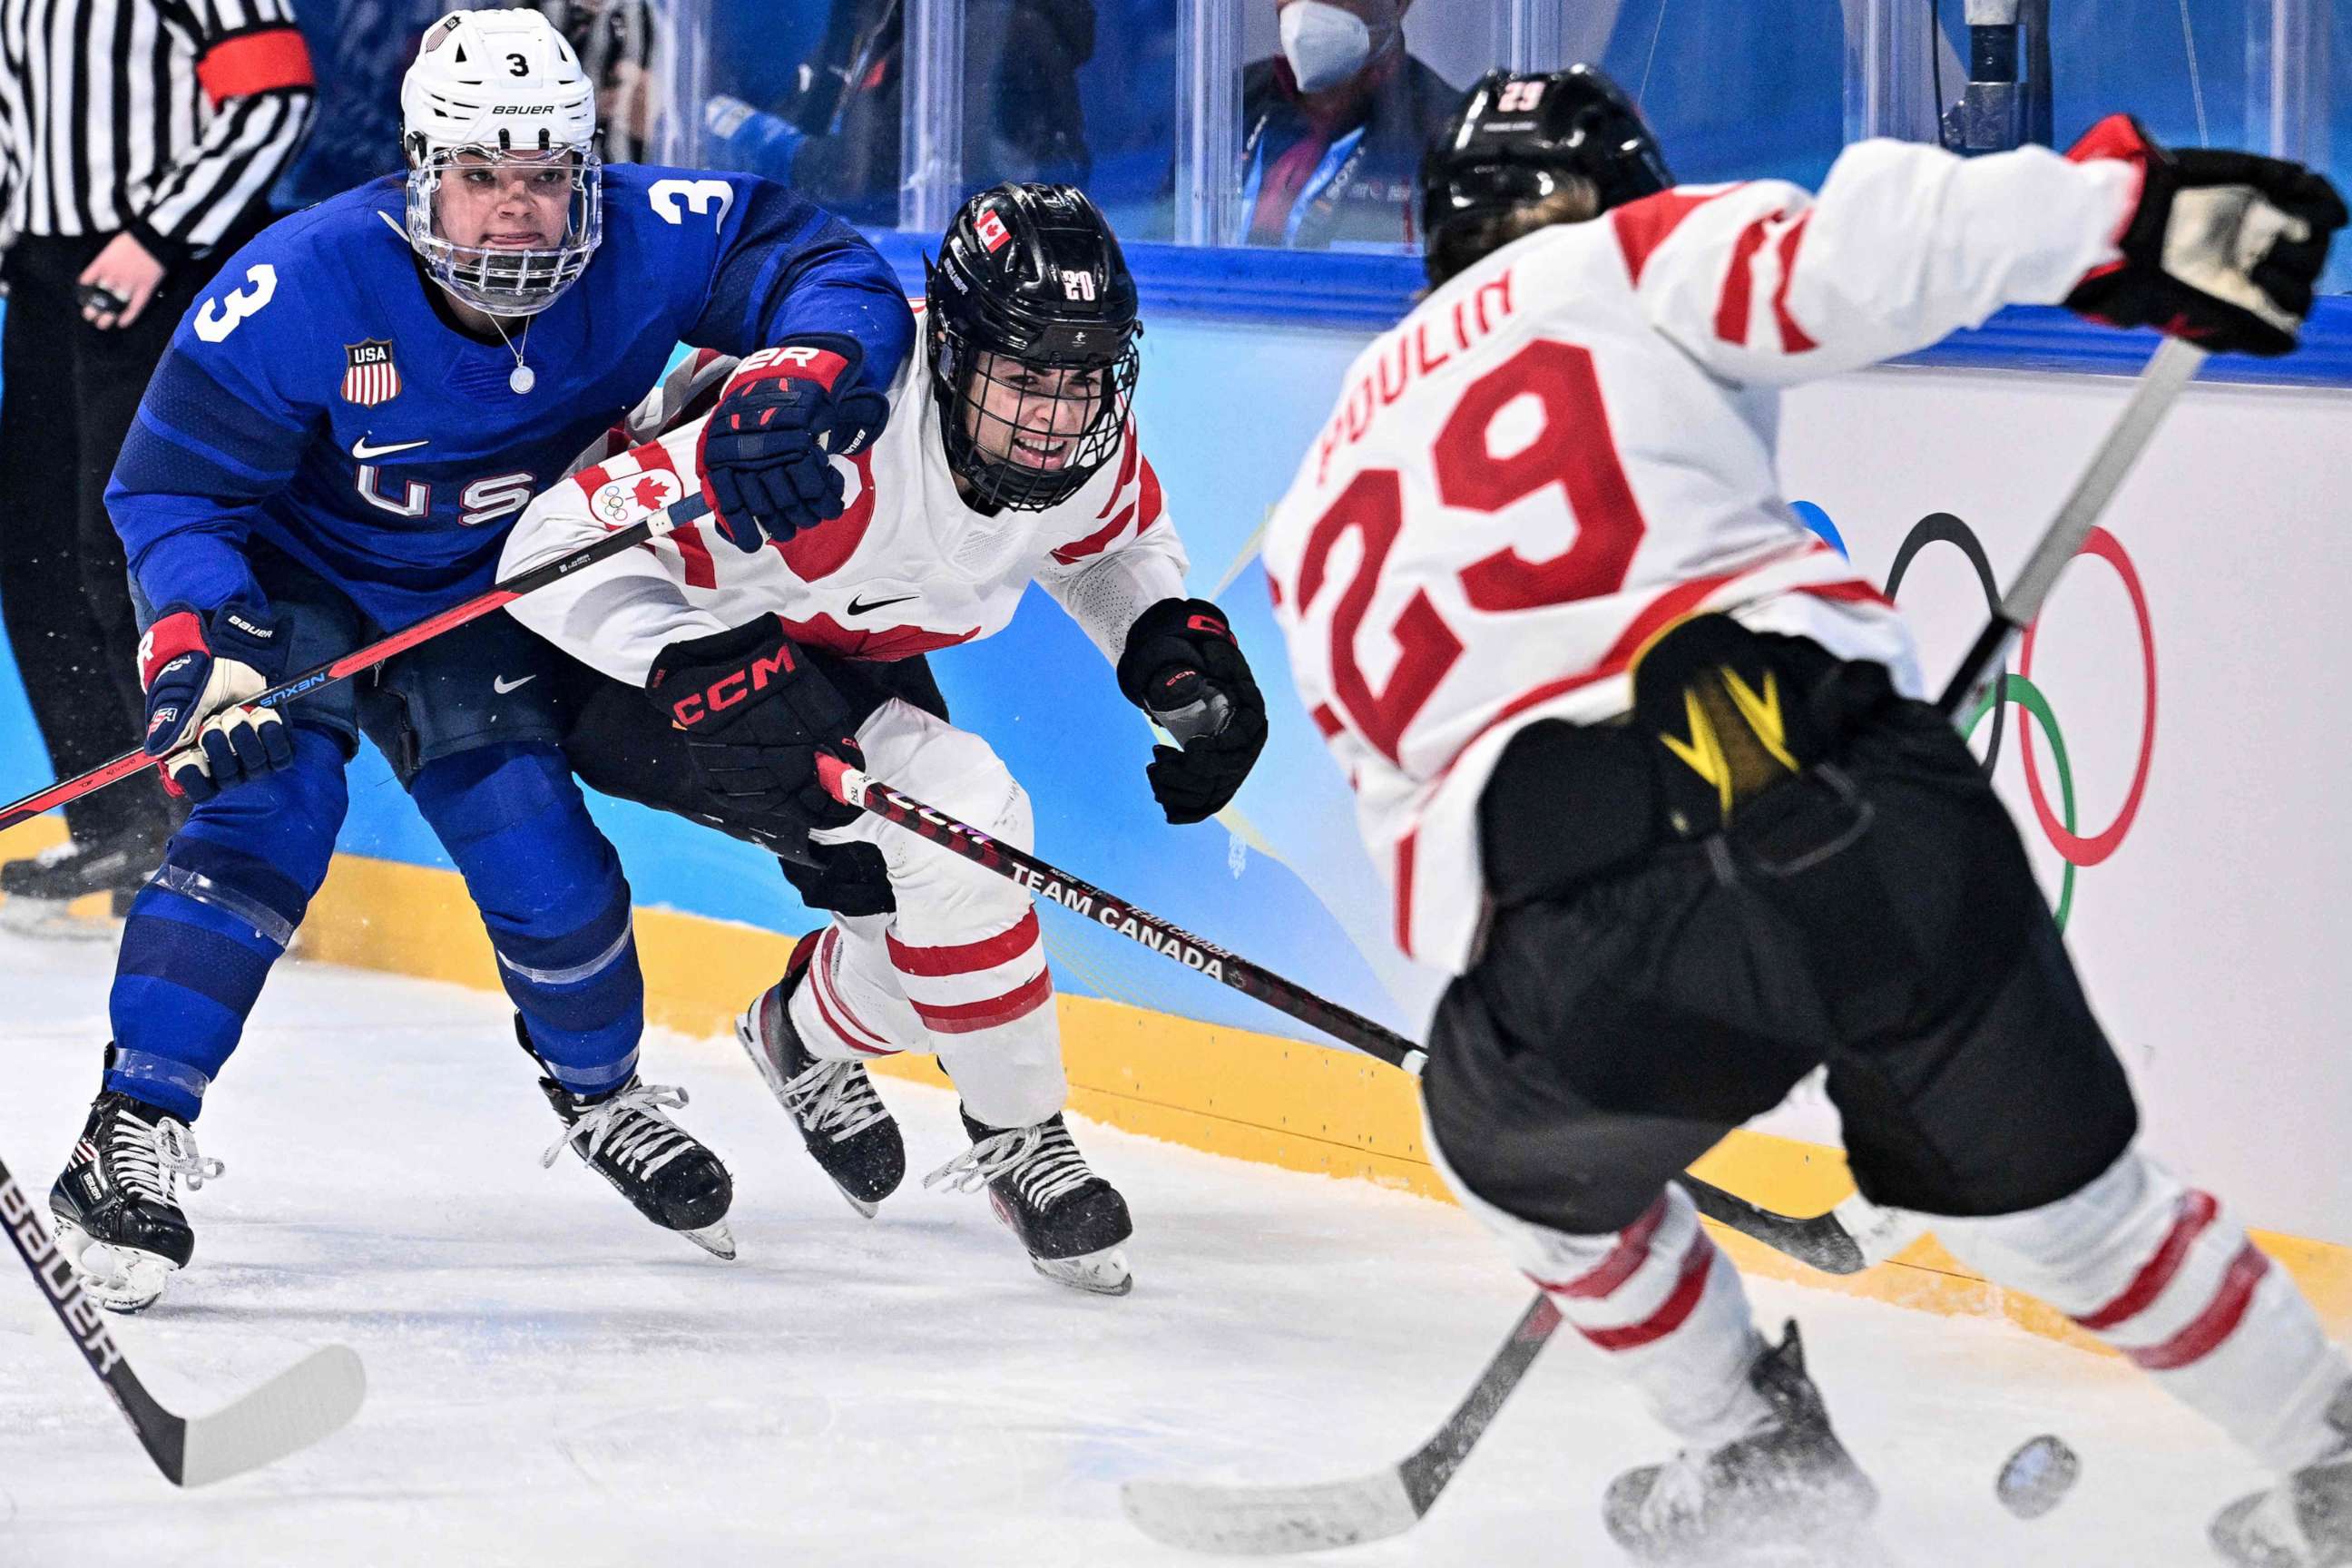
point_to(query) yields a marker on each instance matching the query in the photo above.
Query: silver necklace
(523, 377)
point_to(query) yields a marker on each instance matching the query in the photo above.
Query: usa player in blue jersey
(335, 446)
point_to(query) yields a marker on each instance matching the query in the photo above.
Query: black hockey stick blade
(1266, 1521)
(308, 1401)
(1821, 1242)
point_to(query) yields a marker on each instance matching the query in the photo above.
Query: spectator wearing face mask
(1333, 128)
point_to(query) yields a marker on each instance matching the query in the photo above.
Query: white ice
(554, 1381)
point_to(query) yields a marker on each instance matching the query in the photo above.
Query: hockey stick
(360, 659)
(2173, 365)
(1265, 1520)
(1823, 1241)
(1270, 1520)
(308, 1401)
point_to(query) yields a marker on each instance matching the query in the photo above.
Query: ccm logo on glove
(735, 686)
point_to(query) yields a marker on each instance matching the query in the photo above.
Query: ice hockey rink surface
(552, 1381)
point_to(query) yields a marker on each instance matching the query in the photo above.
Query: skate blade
(88, 919)
(714, 1238)
(120, 1279)
(1100, 1273)
(860, 1204)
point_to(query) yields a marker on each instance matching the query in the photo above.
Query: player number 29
(1571, 448)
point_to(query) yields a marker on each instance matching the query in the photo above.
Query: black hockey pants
(1615, 1029)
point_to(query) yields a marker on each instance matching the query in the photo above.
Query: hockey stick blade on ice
(496, 597)
(1253, 1521)
(308, 1401)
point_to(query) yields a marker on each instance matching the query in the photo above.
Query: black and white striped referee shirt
(167, 117)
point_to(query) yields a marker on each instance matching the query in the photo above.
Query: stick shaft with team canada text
(1826, 1241)
(362, 660)
(851, 787)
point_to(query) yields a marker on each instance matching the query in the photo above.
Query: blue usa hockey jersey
(318, 400)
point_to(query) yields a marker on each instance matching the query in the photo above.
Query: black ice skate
(2304, 1522)
(1071, 1221)
(1789, 1483)
(847, 1127)
(40, 889)
(118, 1221)
(623, 1137)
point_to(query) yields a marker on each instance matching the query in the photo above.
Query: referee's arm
(254, 72)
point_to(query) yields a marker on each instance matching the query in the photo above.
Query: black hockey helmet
(1031, 273)
(1516, 137)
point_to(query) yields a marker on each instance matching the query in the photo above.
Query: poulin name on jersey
(369, 375)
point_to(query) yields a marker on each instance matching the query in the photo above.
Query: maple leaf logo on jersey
(633, 496)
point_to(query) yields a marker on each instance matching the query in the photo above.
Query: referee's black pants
(70, 394)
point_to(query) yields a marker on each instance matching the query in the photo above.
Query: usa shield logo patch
(369, 375)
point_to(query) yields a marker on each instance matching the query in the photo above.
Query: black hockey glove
(1182, 667)
(2223, 249)
(198, 669)
(756, 712)
(846, 878)
(766, 452)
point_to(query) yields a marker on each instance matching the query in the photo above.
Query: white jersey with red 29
(1571, 446)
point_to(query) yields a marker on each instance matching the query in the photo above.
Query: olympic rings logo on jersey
(2017, 688)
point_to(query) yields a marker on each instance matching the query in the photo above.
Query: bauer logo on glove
(200, 673)
(767, 450)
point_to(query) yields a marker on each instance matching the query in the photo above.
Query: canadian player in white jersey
(1644, 764)
(1010, 455)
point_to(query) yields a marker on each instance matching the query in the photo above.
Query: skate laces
(1677, 1499)
(146, 1157)
(1043, 1161)
(630, 1126)
(835, 1096)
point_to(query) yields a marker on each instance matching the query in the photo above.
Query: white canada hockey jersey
(1571, 446)
(907, 568)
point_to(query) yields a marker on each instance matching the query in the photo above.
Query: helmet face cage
(982, 413)
(502, 279)
(1033, 276)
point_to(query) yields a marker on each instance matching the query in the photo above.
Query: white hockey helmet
(503, 86)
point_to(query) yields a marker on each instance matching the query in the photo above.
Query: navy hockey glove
(766, 450)
(756, 712)
(1182, 667)
(2223, 249)
(198, 669)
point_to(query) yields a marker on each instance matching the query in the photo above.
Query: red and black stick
(359, 660)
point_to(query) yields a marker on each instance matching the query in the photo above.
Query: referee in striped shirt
(139, 140)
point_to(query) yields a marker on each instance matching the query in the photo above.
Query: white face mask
(1324, 44)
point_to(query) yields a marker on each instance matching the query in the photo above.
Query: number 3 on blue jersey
(668, 195)
(219, 317)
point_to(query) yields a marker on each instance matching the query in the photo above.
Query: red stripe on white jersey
(1793, 338)
(1731, 310)
(970, 1017)
(836, 1013)
(1633, 1247)
(2197, 1212)
(2217, 1322)
(1689, 1286)
(966, 958)
(1641, 226)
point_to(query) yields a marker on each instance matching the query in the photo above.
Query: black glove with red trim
(756, 712)
(198, 668)
(766, 452)
(1182, 667)
(2225, 249)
